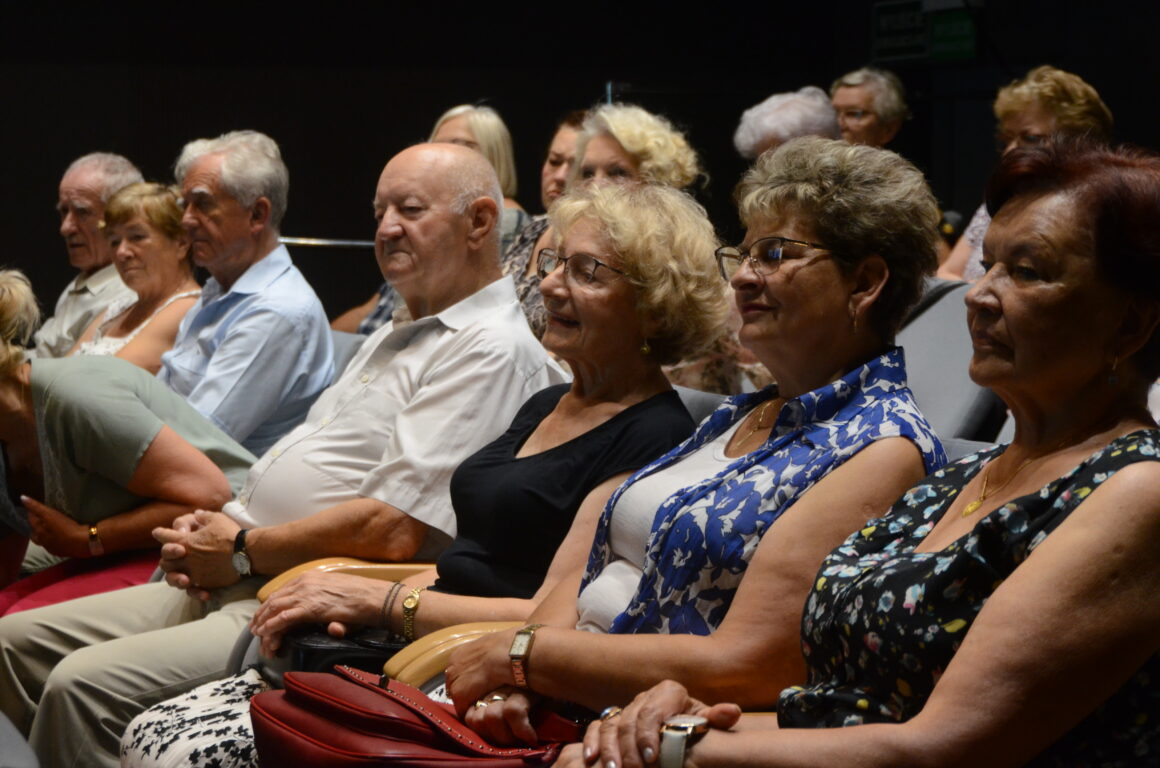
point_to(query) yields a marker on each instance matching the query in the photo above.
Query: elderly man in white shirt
(85, 187)
(365, 475)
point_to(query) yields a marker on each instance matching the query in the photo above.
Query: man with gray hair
(871, 106)
(255, 350)
(86, 186)
(366, 475)
(785, 116)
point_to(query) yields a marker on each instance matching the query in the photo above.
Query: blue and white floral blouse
(704, 535)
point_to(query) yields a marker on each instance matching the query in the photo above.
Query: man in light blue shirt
(254, 352)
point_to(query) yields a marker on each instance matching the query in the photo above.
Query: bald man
(366, 475)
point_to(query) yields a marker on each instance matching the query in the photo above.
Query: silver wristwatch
(677, 734)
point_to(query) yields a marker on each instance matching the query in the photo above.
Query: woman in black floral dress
(1004, 612)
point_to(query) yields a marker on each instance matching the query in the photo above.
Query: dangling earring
(645, 349)
(1112, 377)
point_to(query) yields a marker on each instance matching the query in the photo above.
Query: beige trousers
(73, 675)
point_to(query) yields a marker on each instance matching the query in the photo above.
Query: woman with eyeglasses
(1045, 103)
(628, 287)
(838, 240)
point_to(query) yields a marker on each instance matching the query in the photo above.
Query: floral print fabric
(703, 536)
(883, 621)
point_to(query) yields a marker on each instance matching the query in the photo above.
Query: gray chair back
(938, 351)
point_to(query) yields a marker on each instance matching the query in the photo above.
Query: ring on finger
(481, 704)
(497, 697)
(610, 712)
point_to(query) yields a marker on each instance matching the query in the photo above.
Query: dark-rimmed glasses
(764, 255)
(580, 269)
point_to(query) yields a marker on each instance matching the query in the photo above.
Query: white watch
(677, 734)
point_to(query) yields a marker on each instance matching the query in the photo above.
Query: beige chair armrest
(353, 566)
(426, 657)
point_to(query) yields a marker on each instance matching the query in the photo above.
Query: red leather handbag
(355, 718)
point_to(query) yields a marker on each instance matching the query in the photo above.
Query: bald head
(438, 236)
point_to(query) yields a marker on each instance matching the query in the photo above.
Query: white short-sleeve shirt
(412, 404)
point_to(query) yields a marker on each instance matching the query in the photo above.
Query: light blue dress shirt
(253, 359)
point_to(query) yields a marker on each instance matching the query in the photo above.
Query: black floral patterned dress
(883, 621)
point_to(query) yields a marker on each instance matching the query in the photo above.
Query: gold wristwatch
(410, 606)
(521, 648)
(96, 547)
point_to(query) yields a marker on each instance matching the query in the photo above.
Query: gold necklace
(756, 423)
(978, 502)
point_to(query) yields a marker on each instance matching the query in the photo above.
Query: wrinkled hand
(478, 668)
(197, 552)
(507, 718)
(338, 598)
(56, 531)
(632, 738)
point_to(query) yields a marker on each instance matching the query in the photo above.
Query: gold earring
(1112, 377)
(645, 349)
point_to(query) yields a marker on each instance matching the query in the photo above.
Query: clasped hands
(197, 552)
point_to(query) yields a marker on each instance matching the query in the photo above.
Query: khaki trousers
(73, 675)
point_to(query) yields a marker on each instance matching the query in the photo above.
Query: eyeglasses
(854, 114)
(764, 255)
(580, 269)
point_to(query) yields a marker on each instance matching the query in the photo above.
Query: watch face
(410, 601)
(687, 723)
(241, 563)
(520, 644)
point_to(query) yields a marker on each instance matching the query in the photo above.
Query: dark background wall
(343, 86)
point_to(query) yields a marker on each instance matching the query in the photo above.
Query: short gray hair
(251, 168)
(785, 116)
(116, 171)
(860, 201)
(889, 93)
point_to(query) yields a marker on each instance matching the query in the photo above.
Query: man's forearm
(362, 527)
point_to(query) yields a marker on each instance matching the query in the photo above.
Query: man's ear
(867, 282)
(259, 215)
(482, 218)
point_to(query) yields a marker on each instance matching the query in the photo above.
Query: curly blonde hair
(19, 318)
(660, 150)
(1077, 108)
(665, 244)
(861, 201)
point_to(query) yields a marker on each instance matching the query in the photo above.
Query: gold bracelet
(410, 606)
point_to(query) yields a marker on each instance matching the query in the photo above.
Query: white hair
(116, 171)
(889, 93)
(785, 116)
(251, 168)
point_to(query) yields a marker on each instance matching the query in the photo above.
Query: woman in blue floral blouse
(1004, 612)
(838, 241)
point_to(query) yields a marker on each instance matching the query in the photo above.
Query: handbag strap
(439, 717)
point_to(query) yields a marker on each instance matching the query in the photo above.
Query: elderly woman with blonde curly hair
(623, 142)
(838, 240)
(626, 287)
(1045, 103)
